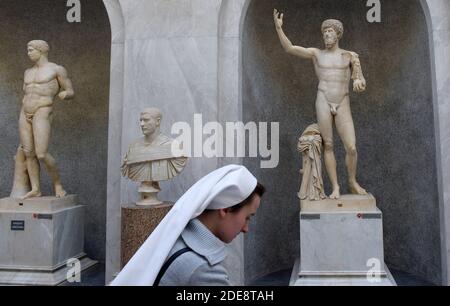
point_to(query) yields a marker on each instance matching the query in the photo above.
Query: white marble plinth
(37, 238)
(340, 280)
(341, 244)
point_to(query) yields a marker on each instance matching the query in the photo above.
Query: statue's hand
(278, 19)
(359, 85)
(62, 95)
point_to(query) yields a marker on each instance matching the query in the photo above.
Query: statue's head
(332, 31)
(37, 48)
(150, 120)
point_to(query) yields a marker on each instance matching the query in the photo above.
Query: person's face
(330, 37)
(237, 222)
(33, 54)
(149, 124)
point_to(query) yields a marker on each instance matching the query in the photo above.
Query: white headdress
(222, 188)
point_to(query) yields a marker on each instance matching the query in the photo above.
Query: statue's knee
(328, 145)
(351, 150)
(28, 153)
(41, 156)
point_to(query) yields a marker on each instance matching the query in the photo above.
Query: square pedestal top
(346, 203)
(37, 205)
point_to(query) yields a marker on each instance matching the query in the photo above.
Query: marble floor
(95, 276)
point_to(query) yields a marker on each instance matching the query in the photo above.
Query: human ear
(223, 212)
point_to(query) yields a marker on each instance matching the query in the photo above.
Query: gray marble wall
(80, 127)
(394, 120)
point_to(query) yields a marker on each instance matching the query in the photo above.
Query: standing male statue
(334, 68)
(42, 83)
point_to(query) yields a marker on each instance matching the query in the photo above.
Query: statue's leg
(325, 122)
(346, 130)
(32, 164)
(41, 130)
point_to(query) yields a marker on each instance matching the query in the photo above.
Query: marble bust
(150, 160)
(42, 83)
(334, 68)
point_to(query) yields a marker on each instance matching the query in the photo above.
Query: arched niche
(80, 127)
(395, 125)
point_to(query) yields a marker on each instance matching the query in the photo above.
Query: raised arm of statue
(65, 83)
(308, 53)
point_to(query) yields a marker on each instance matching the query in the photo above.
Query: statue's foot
(32, 194)
(336, 194)
(60, 192)
(356, 189)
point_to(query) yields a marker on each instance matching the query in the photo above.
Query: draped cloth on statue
(152, 162)
(310, 145)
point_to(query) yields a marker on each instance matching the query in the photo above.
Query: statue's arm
(24, 78)
(67, 91)
(307, 53)
(359, 82)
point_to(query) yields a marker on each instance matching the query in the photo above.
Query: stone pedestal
(341, 243)
(38, 237)
(138, 222)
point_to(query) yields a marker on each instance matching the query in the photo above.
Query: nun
(189, 245)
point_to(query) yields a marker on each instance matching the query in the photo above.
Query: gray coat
(200, 267)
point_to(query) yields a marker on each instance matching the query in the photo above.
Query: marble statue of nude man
(42, 83)
(334, 68)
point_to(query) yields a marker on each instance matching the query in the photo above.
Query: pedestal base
(138, 222)
(342, 280)
(149, 194)
(341, 242)
(44, 278)
(38, 237)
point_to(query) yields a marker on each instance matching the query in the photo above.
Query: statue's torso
(333, 72)
(152, 162)
(40, 86)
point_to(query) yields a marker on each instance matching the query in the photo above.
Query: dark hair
(259, 190)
